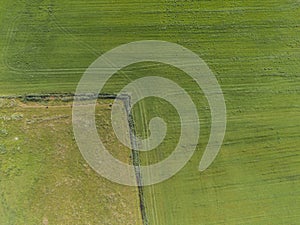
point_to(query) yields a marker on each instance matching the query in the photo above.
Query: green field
(253, 48)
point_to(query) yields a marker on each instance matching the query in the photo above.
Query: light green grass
(44, 177)
(253, 48)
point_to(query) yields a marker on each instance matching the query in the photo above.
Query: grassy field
(45, 180)
(253, 48)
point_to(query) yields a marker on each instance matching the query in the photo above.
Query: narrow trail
(23, 105)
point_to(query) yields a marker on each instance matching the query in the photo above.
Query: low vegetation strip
(136, 159)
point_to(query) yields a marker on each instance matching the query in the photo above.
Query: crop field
(252, 47)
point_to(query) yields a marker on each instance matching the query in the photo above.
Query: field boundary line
(135, 157)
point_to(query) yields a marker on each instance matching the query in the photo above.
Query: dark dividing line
(59, 96)
(135, 157)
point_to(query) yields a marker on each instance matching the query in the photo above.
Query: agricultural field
(252, 47)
